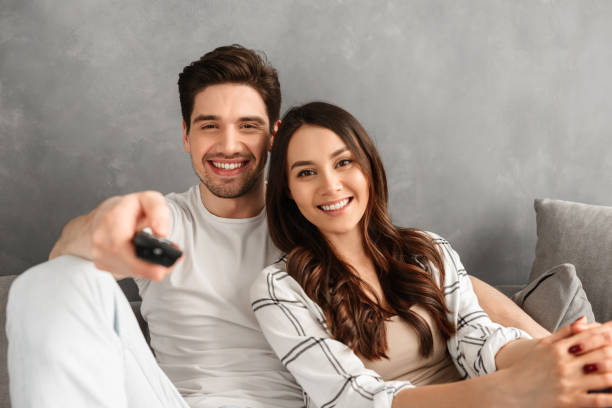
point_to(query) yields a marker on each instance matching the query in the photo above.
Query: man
(73, 339)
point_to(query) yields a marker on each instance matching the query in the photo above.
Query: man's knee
(49, 296)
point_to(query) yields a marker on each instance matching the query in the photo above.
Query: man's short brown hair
(230, 64)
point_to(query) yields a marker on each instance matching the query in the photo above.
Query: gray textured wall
(477, 106)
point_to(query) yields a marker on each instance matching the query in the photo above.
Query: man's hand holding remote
(105, 235)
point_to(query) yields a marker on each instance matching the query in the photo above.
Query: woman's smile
(335, 207)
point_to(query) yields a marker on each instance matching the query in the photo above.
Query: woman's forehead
(311, 142)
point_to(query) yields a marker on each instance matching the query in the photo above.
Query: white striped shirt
(330, 373)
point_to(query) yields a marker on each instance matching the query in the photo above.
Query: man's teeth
(336, 206)
(227, 166)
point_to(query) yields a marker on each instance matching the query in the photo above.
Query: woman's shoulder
(450, 258)
(436, 238)
(274, 280)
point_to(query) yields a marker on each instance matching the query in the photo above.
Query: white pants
(74, 342)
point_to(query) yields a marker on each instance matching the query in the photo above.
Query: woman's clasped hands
(569, 368)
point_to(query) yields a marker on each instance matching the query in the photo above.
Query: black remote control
(155, 250)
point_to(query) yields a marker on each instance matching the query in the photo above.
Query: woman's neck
(350, 249)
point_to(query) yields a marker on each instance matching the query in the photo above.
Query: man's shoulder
(183, 199)
(182, 206)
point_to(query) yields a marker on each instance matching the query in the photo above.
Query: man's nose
(229, 142)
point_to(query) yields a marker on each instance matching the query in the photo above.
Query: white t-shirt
(203, 330)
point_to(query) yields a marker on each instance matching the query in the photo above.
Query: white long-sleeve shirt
(330, 373)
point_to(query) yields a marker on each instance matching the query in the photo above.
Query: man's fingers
(147, 270)
(156, 212)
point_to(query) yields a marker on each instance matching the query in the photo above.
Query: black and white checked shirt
(330, 373)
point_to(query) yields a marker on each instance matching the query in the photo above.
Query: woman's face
(325, 181)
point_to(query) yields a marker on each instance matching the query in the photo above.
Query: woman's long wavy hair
(402, 256)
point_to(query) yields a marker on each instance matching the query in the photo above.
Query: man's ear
(274, 130)
(186, 142)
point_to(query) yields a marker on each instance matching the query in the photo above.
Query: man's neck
(246, 206)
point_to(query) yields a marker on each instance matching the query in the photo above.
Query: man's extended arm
(104, 235)
(504, 311)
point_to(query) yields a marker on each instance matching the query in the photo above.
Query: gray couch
(568, 234)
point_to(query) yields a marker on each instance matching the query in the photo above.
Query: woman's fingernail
(579, 319)
(589, 368)
(575, 349)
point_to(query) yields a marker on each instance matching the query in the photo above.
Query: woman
(364, 313)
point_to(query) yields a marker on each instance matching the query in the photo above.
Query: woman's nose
(330, 182)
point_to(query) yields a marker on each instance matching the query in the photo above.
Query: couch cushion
(555, 298)
(579, 234)
(5, 284)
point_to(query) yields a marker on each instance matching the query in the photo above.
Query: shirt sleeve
(477, 339)
(329, 372)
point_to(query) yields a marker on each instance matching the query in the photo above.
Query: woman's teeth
(227, 166)
(336, 206)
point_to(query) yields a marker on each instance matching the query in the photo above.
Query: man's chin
(229, 190)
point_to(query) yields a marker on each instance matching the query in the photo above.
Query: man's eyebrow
(257, 119)
(203, 118)
(308, 163)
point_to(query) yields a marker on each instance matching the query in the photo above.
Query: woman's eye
(344, 162)
(304, 173)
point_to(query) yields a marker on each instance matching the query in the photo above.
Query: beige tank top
(405, 363)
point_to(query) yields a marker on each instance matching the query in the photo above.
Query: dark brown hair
(230, 64)
(402, 256)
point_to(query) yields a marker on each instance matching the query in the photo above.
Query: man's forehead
(229, 102)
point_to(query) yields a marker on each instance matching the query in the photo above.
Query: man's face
(228, 139)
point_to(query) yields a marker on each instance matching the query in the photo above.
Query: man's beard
(234, 189)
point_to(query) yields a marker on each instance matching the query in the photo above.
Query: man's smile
(228, 168)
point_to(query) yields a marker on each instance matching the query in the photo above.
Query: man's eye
(344, 162)
(208, 126)
(249, 126)
(304, 173)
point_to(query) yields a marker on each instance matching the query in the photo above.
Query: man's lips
(228, 167)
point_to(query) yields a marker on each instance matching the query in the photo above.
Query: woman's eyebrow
(309, 163)
(339, 151)
(301, 163)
